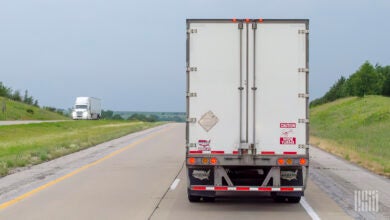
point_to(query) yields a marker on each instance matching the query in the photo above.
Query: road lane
(127, 186)
(136, 184)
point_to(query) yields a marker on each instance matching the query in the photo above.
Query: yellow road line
(53, 182)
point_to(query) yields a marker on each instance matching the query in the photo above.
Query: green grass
(29, 144)
(21, 111)
(357, 129)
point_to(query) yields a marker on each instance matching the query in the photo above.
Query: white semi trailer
(87, 108)
(247, 107)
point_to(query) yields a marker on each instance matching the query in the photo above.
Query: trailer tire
(194, 198)
(208, 199)
(279, 199)
(295, 199)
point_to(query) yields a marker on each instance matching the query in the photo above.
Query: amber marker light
(191, 160)
(261, 20)
(234, 19)
(289, 161)
(280, 161)
(213, 160)
(302, 161)
(205, 160)
(247, 20)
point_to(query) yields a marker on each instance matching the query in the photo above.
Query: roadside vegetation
(29, 144)
(15, 110)
(352, 119)
(356, 129)
(15, 106)
(367, 80)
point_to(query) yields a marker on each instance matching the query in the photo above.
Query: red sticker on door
(288, 140)
(288, 125)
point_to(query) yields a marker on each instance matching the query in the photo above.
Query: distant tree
(108, 114)
(366, 81)
(16, 96)
(117, 117)
(28, 99)
(36, 103)
(5, 91)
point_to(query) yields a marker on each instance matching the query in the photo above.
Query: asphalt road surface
(139, 176)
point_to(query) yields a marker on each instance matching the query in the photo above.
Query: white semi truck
(247, 108)
(87, 108)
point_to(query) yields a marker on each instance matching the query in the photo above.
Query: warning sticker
(204, 145)
(288, 125)
(288, 140)
(208, 121)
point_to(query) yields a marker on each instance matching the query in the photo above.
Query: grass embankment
(21, 111)
(23, 145)
(357, 129)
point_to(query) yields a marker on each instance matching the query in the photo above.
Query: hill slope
(357, 129)
(21, 111)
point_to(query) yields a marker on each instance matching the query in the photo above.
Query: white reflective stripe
(259, 188)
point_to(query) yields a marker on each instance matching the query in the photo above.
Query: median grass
(29, 144)
(357, 129)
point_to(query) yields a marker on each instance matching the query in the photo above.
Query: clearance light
(302, 161)
(205, 160)
(234, 19)
(289, 161)
(191, 160)
(247, 20)
(213, 160)
(280, 161)
(261, 20)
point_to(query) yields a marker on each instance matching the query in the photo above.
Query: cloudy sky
(131, 54)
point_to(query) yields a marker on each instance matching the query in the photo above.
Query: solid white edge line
(174, 184)
(309, 209)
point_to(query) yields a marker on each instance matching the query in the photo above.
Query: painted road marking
(309, 209)
(174, 184)
(53, 182)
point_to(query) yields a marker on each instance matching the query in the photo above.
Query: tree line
(15, 95)
(367, 80)
(108, 114)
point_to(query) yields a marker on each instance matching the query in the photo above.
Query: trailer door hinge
(191, 94)
(303, 70)
(303, 120)
(193, 69)
(191, 145)
(240, 25)
(192, 31)
(303, 31)
(303, 95)
(191, 120)
(303, 146)
(254, 25)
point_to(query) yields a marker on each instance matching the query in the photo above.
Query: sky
(131, 54)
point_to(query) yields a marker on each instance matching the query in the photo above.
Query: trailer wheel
(279, 199)
(294, 199)
(193, 198)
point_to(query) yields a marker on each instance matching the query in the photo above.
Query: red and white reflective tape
(246, 188)
(236, 152)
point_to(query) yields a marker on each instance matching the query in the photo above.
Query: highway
(140, 176)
